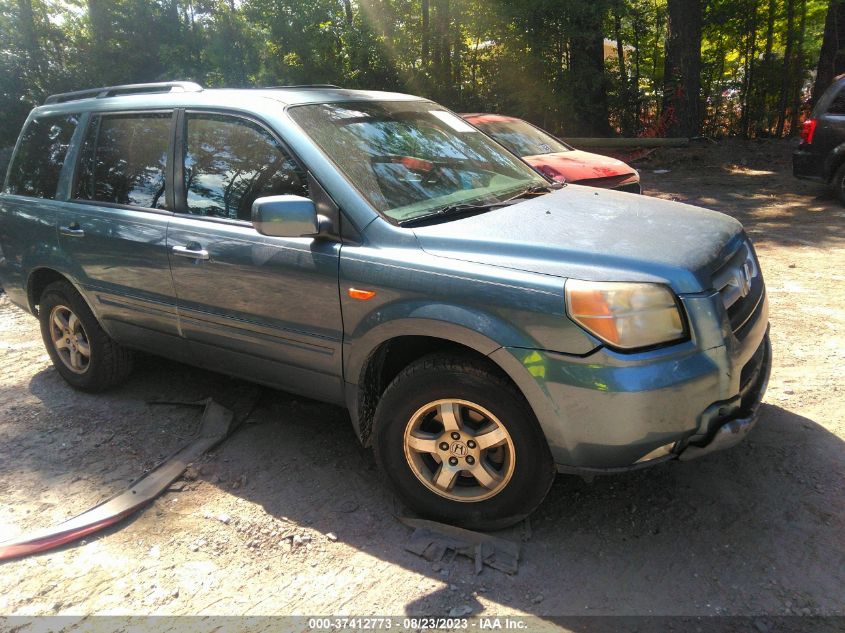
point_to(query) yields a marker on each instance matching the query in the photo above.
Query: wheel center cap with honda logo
(459, 448)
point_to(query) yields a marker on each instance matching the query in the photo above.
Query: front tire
(459, 444)
(83, 354)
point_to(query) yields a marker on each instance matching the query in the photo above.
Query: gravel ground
(289, 515)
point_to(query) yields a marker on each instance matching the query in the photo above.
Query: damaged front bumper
(727, 423)
(610, 412)
(731, 429)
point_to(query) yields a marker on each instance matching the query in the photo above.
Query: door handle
(191, 251)
(72, 230)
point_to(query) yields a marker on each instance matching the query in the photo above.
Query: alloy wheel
(459, 450)
(70, 340)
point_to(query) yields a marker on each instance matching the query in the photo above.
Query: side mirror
(285, 216)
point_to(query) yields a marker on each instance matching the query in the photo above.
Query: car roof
(221, 97)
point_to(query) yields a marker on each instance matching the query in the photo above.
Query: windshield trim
(543, 180)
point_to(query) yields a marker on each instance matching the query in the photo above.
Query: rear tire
(838, 183)
(459, 444)
(83, 354)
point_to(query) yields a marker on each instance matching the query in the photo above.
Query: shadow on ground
(756, 529)
(752, 181)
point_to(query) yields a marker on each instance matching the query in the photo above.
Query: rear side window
(38, 162)
(229, 162)
(838, 104)
(124, 160)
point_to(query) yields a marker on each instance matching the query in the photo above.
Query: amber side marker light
(361, 295)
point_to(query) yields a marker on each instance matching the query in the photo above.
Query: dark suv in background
(821, 154)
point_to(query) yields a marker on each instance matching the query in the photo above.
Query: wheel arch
(41, 277)
(835, 159)
(393, 349)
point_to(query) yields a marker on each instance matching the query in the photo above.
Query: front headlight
(624, 314)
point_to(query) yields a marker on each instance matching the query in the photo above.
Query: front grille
(740, 285)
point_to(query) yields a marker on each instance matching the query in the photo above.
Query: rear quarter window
(38, 163)
(837, 106)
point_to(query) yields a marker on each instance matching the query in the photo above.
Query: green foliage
(531, 58)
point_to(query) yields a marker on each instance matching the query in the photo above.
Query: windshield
(410, 158)
(522, 138)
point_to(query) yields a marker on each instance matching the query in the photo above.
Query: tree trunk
(624, 110)
(798, 72)
(457, 78)
(764, 116)
(100, 20)
(787, 67)
(29, 40)
(194, 45)
(748, 75)
(636, 83)
(586, 70)
(424, 32)
(717, 98)
(659, 37)
(32, 76)
(238, 44)
(445, 44)
(832, 55)
(770, 28)
(682, 70)
(439, 50)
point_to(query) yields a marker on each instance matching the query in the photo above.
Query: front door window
(229, 162)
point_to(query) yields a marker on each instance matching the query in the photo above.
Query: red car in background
(554, 158)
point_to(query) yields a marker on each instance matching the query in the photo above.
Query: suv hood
(593, 234)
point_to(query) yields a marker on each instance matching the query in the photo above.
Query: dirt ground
(289, 515)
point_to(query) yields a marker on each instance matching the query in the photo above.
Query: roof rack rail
(303, 86)
(126, 89)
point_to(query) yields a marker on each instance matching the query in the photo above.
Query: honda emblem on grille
(744, 279)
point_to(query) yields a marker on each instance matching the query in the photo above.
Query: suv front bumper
(612, 412)
(731, 430)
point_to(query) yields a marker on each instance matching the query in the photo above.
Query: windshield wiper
(452, 210)
(471, 209)
(547, 188)
(533, 189)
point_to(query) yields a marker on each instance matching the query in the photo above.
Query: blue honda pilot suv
(484, 327)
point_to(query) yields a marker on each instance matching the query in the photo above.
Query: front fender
(476, 330)
(482, 307)
(413, 293)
